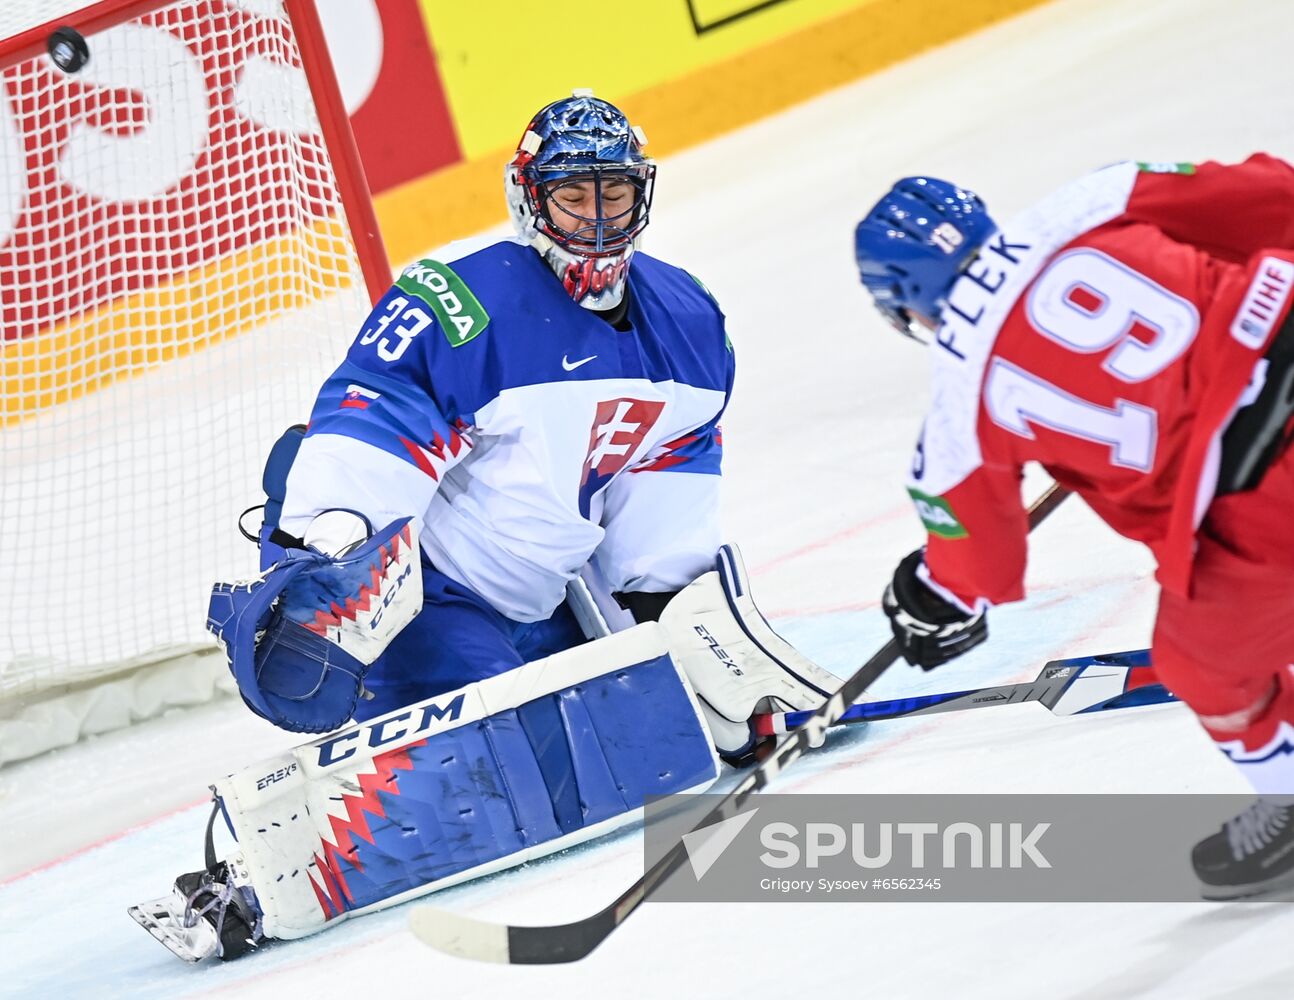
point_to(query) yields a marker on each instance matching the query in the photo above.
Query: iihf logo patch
(1264, 302)
(619, 427)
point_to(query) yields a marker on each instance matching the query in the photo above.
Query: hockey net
(177, 276)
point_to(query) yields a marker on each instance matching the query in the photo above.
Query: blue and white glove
(929, 629)
(301, 637)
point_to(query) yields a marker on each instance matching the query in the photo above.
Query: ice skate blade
(158, 917)
(1275, 890)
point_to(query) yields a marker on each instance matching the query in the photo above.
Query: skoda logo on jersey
(937, 515)
(619, 427)
(461, 316)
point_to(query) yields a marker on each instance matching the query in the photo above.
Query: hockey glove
(301, 638)
(929, 629)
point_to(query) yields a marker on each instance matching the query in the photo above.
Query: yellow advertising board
(686, 70)
(501, 60)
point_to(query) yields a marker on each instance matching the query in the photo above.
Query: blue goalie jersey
(528, 434)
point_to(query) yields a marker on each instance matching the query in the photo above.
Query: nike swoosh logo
(570, 366)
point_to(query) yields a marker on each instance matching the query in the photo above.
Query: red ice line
(855, 529)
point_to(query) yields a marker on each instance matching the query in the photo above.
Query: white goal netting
(176, 279)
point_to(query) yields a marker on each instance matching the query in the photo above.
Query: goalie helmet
(585, 145)
(914, 243)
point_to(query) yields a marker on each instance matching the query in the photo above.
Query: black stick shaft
(570, 942)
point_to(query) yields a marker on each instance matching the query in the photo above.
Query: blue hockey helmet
(914, 243)
(582, 140)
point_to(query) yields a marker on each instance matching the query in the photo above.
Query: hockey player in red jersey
(1132, 334)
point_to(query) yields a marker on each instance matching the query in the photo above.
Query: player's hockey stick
(1065, 687)
(555, 943)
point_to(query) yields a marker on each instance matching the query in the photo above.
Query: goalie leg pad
(514, 767)
(735, 661)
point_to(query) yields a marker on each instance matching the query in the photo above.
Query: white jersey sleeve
(331, 471)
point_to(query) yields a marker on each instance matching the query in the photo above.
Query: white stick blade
(1094, 686)
(455, 934)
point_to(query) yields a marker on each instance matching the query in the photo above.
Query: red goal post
(187, 245)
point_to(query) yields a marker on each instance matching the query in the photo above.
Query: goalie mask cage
(179, 271)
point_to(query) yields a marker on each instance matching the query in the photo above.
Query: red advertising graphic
(403, 127)
(165, 152)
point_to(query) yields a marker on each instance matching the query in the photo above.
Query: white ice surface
(818, 436)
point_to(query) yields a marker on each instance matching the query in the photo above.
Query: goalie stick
(1064, 687)
(551, 944)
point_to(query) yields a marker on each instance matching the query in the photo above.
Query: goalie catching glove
(734, 660)
(929, 629)
(301, 637)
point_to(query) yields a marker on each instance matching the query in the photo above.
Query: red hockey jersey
(1109, 334)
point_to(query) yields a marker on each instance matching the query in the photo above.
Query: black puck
(68, 49)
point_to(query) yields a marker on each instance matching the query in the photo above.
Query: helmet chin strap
(921, 327)
(910, 323)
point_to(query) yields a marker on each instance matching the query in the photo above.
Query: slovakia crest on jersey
(619, 427)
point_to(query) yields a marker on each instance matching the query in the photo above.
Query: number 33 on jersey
(1089, 340)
